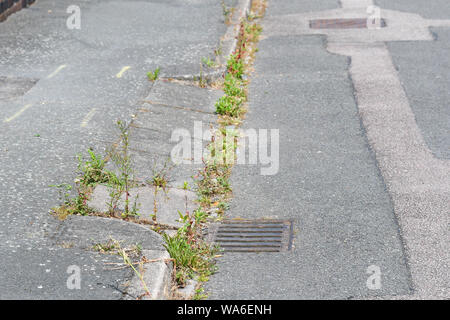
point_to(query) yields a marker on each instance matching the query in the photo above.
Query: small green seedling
(186, 186)
(208, 62)
(152, 76)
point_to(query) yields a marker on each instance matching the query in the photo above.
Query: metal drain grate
(342, 23)
(252, 235)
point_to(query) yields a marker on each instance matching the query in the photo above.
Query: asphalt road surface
(363, 119)
(61, 92)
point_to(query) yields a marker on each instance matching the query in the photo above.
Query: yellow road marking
(88, 117)
(18, 113)
(54, 73)
(124, 69)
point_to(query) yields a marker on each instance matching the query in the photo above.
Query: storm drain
(342, 23)
(252, 235)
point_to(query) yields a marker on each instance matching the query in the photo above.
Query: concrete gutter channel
(227, 44)
(169, 106)
(152, 131)
(84, 232)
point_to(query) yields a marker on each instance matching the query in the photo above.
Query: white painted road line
(18, 113)
(88, 118)
(54, 73)
(124, 69)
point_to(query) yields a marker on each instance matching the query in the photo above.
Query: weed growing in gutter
(92, 172)
(231, 106)
(193, 258)
(121, 183)
(127, 260)
(213, 185)
(208, 62)
(190, 258)
(227, 12)
(153, 76)
(113, 246)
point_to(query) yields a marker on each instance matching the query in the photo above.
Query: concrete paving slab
(168, 203)
(157, 276)
(85, 232)
(146, 165)
(186, 96)
(165, 125)
(173, 113)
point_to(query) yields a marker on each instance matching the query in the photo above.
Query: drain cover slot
(360, 23)
(252, 235)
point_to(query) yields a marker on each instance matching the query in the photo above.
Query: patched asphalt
(424, 70)
(432, 9)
